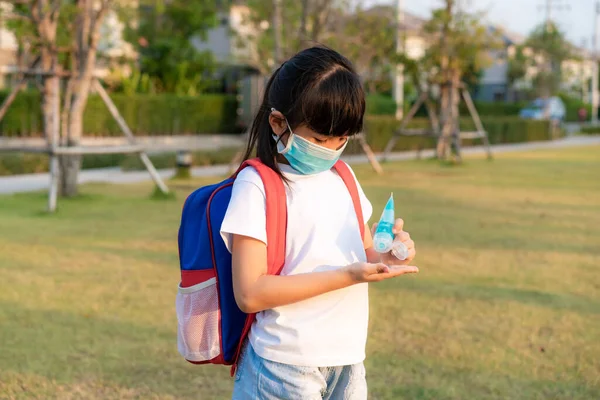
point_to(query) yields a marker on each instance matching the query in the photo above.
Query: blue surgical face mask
(305, 156)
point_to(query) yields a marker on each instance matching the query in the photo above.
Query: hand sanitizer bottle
(383, 239)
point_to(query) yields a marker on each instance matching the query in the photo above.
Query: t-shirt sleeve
(246, 213)
(367, 207)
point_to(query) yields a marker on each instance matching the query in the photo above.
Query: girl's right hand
(365, 272)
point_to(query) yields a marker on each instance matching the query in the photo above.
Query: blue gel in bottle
(383, 239)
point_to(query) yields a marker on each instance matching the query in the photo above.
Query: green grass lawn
(506, 306)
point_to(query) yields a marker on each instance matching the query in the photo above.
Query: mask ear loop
(280, 137)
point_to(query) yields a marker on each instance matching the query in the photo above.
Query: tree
(301, 23)
(85, 36)
(166, 36)
(368, 38)
(37, 21)
(518, 67)
(550, 49)
(51, 25)
(459, 46)
(315, 19)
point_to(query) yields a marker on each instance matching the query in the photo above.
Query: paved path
(35, 182)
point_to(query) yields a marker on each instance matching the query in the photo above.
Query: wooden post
(53, 142)
(477, 121)
(16, 89)
(433, 119)
(11, 97)
(411, 113)
(370, 155)
(123, 125)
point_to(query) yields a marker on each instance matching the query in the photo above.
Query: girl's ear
(277, 122)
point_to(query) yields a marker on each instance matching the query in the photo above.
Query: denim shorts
(259, 379)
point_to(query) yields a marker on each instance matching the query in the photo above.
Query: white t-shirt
(322, 234)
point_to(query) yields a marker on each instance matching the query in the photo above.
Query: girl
(308, 340)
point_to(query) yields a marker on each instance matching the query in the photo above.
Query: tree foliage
(165, 35)
(368, 38)
(304, 23)
(550, 49)
(459, 41)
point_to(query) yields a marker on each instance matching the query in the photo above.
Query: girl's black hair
(317, 88)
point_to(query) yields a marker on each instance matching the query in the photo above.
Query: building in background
(495, 85)
(233, 45)
(8, 48)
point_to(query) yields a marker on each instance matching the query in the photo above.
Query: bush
(493, 109)
(145, 115)
(24, 117)
(164, 115)
(19, 163)
(378, 104)
(384, 105)
(500, 130)
(590, 130)
(572, 106)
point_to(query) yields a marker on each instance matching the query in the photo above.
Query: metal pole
(399, 81)
(595, 94)
(548, 14)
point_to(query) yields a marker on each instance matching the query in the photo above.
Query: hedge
(590, 130)
(380, 105)
(378, 129)
(500, 130)
(22, 163)
(385, 105)
(145, 115)
(572, 106)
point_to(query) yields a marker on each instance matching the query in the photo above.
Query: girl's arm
(255, 291)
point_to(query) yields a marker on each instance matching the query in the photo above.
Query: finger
(397, 270)
(373, 229)
(398, 225)
(403, 236)
(372, 269)
(410, 244)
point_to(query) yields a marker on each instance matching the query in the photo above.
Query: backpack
(211, 328)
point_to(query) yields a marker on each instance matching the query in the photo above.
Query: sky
(521, 16)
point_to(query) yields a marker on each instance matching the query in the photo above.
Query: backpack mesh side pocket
(198, 338)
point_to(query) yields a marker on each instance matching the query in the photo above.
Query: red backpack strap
(276, 208)
(344, 172)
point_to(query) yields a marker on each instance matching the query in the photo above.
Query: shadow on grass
(537, 298)
(69, 348)
(433, 379)
(158, 194)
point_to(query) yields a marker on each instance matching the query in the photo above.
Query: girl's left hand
(402, 236)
